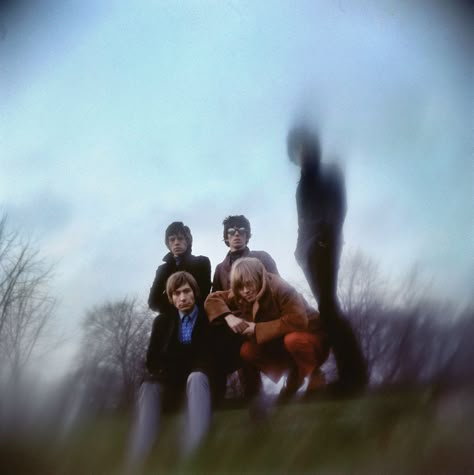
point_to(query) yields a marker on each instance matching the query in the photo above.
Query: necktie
(186, 329)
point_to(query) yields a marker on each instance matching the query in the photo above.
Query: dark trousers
(226, 354)
(321, 267)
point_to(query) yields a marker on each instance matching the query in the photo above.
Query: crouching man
(278, 331)
(178, 364)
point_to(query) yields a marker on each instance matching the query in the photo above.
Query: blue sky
(117, 119)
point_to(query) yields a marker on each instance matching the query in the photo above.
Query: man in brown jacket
(274, 326)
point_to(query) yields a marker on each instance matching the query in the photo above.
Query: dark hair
(302, 136)
(177, 227)
(236, 221)
(177, 280)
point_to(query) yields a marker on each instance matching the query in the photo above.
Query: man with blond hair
(275, 327)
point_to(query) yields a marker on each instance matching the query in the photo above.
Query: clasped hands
(240, 326)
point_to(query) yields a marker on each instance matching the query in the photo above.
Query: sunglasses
(232, 231)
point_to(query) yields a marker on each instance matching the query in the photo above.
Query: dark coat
(221, 280)
(198, 266)
(168, 360)
(321, 205)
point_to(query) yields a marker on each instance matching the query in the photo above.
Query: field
(416, 432)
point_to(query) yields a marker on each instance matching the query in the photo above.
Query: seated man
(179, 240)
(275, 327)
(178, 363)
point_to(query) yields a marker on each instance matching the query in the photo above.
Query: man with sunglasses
(226, 343)
(237, 234)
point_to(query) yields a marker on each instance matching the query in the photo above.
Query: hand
(250, 330)
(236, 324)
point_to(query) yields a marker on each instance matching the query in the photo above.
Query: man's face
(183, 298)
(177, 244)
(249, 291)
(298, 154)
(236, 237)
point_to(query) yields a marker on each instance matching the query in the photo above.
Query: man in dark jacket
(321, 206)
(178, 363)
(226, 344)
(237, 233)
(179, 240)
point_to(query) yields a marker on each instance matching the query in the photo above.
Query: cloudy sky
(116, 119)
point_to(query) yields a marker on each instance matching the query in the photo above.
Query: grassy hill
(416, 432)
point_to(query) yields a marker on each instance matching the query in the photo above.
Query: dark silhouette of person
(321, 205)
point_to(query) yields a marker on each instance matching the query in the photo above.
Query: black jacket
(168, 360)
(198, 266)
(321, 205)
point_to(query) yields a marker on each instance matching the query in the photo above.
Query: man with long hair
(179, 241)
(275, 328)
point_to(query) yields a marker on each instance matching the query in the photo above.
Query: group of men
(252, 321)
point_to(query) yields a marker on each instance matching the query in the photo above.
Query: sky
(117, 118)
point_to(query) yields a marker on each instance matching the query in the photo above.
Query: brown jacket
(279, 309)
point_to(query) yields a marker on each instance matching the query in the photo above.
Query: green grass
(379, 434)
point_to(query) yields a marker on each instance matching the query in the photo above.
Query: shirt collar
(192, 314)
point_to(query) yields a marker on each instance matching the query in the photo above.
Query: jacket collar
(169, 258)
(233, 256)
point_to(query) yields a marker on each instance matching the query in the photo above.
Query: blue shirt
(187, 322)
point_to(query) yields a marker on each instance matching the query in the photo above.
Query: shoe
(292, 384)
(259, 409)
(344, 388)
(317, 381)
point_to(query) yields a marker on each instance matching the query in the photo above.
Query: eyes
(185, 292)
(233, 231)
(173, 239)
(248, 285)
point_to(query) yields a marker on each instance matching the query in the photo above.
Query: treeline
(26, 303)
(407, 336)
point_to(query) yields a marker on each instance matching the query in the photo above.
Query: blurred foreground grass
(403, 433)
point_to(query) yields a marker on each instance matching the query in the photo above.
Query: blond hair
(245, 271)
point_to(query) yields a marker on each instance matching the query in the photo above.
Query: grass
(405, 433)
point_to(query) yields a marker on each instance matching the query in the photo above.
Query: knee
(293, 341)
(248, 351)
(197, 379)
(149, 390)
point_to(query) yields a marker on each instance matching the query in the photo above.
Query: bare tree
(363, 297)
(26, 305)
(407, 336)
(115, 338)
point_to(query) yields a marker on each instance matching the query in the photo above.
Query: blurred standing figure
(321, 206)
(179, 241)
